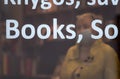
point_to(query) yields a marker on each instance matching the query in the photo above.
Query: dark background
(38, 58)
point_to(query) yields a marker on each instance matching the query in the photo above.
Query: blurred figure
(89, 59)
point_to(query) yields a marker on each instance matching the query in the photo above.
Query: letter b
(13, 28)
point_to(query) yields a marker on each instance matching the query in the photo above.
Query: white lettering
(96, 28)
(39, 32)
(13, 28)
(114, 27)
(23, 31)
(57, 30)
(69, 29)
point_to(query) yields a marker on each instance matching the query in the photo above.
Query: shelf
(70, 10)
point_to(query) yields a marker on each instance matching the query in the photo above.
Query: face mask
(87, 40)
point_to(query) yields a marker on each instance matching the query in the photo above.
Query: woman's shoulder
(72, 48)
(72, 51)
(108, 50)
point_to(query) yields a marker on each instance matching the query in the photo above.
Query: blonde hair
(92, 16)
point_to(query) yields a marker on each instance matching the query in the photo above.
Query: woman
(90, 59)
